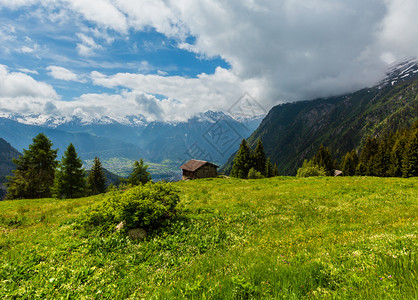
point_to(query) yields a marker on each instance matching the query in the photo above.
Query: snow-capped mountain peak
(401, 71)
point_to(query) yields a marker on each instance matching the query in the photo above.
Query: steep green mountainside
(7, 153)
(292, 132)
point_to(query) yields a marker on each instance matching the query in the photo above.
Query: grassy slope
(280, 237)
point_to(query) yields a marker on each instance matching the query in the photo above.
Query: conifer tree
(35, 171)
(269, 168)
(410, 158)
(275, 170)
(349, 163)
(259, 158)
(96, 181)
(367, 157)
(139, 174)
(242, 161)
(70, 178)
(396, 155)
(382, 157)
(324, 160)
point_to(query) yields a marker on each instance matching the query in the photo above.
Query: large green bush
(310, 169)
(142, 206)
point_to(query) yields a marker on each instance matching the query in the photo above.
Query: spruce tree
(349, 163)
(275, 170)
(269, 168)
(242, 161)
(410, 158)
(396, 155)
(96, 181)
(139, 174)
(70, 178)
(324, 160)
(367, 159)
(35, 171)
(259, 158)
(382, 157)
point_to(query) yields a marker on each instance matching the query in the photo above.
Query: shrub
(142, 206)
(254, 174)
(310, 169)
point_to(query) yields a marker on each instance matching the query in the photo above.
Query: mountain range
(211, 136)
(293, 132)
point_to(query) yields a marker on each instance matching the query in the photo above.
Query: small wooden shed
(195, 169)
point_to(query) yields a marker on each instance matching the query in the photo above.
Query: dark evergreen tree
(396, 155)
(259, 158)
(367, 157)
(275, 170)
(349, 163)
(269, 168)
(35, 171)
(410, 158)
(96, 181)
(242, 161)
(70, 178)
(323, 159)
(382, 157)
(139, 174)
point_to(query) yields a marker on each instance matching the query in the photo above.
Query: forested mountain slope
(292, 132)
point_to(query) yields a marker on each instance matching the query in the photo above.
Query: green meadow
(277, 238)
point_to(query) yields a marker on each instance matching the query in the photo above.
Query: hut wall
(206, 171)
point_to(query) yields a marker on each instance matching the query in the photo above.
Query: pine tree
(96, 181)
(382, 158)
(139, 174)
(349, 163)
(259, 158)
(35, 171)
(275, 170)
(70, 178)
(396, 155)
(410, 158)
(324, 160)
(269, 168)
(242, 161)
(367, 157)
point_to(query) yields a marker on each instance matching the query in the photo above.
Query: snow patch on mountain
(400, 71)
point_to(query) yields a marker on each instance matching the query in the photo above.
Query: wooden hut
(195, 169)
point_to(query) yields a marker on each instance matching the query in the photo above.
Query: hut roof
(194, 164)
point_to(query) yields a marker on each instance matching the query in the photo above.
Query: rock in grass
(120, 226)
(137, 233)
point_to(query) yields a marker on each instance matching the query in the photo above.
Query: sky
(170, 59)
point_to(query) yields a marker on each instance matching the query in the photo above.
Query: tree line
(252, 164)
(393, 155)
(38, 174)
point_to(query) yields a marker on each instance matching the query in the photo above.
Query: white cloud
(21, 93)
(186, 96)
(102, 12)
(64, 74)
(16, 84)
(87, 46)
(23, 70)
